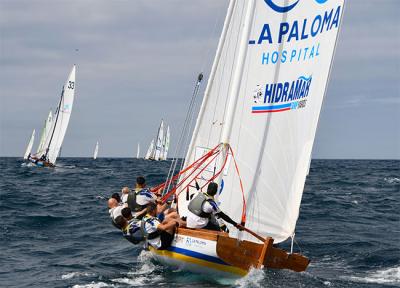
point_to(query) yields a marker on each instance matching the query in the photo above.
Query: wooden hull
(205, 251)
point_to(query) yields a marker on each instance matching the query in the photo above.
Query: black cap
(116, 197)
(140, 180)
(212, 188)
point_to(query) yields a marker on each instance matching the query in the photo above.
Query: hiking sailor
(140, 197)
(203, 209)
(158, 234)
(130, 226)
(114, 210)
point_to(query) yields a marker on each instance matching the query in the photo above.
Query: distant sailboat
(30, 145)
(156, 149)
(258, 117)
(138, 151)
(150, 150)
(96, 150)
(59, 124)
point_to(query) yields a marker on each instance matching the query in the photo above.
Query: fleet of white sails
(158, 149)
(55, 127)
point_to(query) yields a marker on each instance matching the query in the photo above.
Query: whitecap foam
(144, 269)
(94, 285)
(384, 276)
(253, 279)
(146, 266)
(76, 274)
(139, 281)
(392, 180)
(144, 274)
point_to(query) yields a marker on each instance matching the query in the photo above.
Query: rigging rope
(191, 120)
(184, 137)
(184, 133)
(55, 123)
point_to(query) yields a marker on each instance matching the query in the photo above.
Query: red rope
(201, 171)
(203, 159)
(241, 187)
(162, 185)
(217, 173)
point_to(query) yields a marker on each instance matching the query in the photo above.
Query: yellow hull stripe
(185, 258)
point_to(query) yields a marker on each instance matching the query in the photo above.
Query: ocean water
(56, 232)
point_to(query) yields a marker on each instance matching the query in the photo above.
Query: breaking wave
(94, 285)
(76, 274)
(392, 180)
(384, 276)
(253, 280)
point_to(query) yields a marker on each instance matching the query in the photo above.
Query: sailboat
(138, 150)
(150, 150)
(96, 150)
(54, 138)
(254, 135)
(165, 145)
(30, 145)
(156, 148)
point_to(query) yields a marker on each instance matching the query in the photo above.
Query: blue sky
(137, 62)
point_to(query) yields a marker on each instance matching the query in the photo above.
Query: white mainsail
(30, 144)
(96, 150)
(158, 150)
(138, 150)
(44, 133)
(150, 150)
(60, 120)
(263, 98)
(165, 145)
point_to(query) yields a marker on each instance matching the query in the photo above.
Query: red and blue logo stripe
(271, 108)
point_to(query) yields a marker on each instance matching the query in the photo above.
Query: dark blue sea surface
(56, 232)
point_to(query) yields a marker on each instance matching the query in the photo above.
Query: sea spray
(252, 280)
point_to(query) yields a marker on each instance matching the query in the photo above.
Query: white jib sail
(61, 119)
(287, 63)
(96, 150)
(150, 150)
(30, 144)
(158, 151)
(166, 145)
(138, 150)
(45, 131)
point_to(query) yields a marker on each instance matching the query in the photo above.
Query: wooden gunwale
(245, 254)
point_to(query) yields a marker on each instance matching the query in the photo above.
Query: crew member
(158, 234)
(139, 198)
(130, 226)
(203, 209)
(114, 210)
